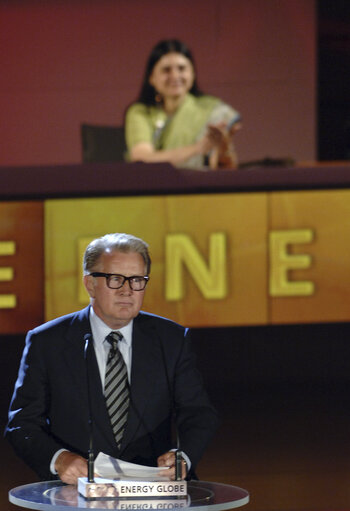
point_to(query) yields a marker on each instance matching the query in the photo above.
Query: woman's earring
(158, 98)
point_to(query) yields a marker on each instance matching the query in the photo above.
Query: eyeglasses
(115, 281)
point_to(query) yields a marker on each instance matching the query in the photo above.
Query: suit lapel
(146, 358)
(82, 370)
(74, 352)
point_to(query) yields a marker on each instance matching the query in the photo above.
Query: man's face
(116, 307)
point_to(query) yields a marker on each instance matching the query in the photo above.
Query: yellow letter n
(210, 278)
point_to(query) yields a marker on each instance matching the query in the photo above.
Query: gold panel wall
(21, 266)
(218, 259)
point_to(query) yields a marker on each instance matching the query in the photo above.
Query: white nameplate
(121, 488)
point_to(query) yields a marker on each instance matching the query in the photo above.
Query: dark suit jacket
(50, 406)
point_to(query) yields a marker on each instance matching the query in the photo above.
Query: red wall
(64, 62)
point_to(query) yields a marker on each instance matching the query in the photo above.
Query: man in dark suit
(59, 402)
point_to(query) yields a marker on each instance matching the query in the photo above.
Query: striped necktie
(116, 390)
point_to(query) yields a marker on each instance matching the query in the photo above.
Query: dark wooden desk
(121, 179)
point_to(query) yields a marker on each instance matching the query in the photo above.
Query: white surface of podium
(57, 496)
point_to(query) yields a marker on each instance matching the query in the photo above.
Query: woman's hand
(223, 154)
(205, 144)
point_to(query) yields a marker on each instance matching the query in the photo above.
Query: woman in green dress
(173, 121)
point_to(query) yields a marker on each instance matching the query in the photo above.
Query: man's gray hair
(119, 242)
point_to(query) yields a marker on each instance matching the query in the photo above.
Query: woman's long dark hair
(148, 93)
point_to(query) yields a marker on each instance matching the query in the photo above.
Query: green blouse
(151, 124)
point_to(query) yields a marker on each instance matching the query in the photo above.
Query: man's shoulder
(147, 318)
(76, 318)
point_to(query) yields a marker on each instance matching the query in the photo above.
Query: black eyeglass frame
(108, 276)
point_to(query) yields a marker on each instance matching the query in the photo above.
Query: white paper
(113, 468)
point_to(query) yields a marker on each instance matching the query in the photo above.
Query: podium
(57, 496)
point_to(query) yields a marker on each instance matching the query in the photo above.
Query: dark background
(333, 80)
(282, 393)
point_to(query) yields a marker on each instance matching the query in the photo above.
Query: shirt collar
(100, 330)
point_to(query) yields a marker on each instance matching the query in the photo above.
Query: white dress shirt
(99, 333)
